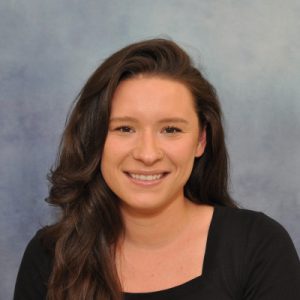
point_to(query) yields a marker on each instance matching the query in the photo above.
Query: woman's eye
(171, 130)
(125, 129)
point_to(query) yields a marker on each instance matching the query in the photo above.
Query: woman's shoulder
(241, 219)
(249, 233)
(35, 269)
(254, 252)
(39, 248)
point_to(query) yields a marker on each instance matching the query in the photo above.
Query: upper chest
(144, 270)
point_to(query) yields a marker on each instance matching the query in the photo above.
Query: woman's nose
(147, 149)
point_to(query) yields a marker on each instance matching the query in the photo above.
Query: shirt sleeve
(272, 263)
(33, 273)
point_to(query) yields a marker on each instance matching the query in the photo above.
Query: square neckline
(192, 284)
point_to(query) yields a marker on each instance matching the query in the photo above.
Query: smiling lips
(146, 178)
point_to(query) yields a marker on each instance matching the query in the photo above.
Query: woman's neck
(158, 229)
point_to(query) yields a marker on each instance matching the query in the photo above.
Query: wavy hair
(84, 238)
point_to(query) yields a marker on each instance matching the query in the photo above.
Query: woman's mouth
(146, 179)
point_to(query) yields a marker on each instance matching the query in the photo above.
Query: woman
(141, 180)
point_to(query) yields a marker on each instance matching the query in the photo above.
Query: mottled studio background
(249, 50)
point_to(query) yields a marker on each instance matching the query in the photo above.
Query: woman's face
(153, 139)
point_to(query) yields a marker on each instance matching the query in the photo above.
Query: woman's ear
(201, 143)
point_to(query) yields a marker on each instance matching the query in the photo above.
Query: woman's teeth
(146, 177)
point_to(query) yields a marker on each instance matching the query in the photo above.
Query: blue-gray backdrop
(248, 49)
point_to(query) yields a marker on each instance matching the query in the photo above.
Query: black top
(249, 256)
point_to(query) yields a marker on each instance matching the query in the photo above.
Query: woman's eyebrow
(173, 120)
(123, 119)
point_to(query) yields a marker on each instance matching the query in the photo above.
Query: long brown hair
(84, 238)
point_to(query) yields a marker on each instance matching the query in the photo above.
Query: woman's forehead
(152, 99)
